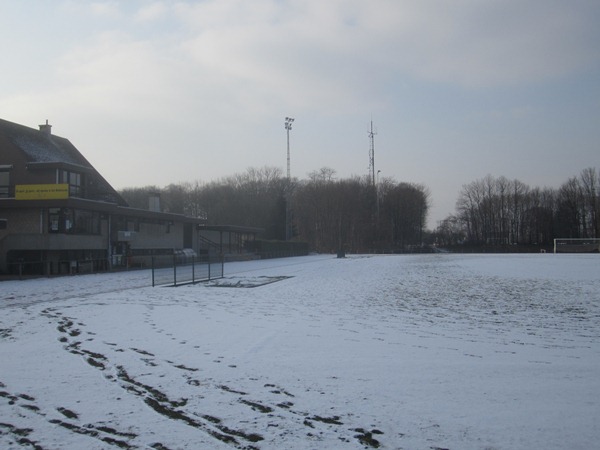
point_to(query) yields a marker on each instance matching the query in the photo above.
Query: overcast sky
(154, 93)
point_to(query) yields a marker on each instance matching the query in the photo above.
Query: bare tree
(499, 211)
(328, 213)
(590, 192)
(570, 207)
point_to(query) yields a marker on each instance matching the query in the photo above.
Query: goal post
(576, 245)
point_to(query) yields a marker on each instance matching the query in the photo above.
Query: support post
(174, 271)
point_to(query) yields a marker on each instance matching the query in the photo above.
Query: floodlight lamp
(288, 123)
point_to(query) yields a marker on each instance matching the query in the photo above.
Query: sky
(161, 92)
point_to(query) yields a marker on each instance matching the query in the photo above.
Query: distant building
(59, 215)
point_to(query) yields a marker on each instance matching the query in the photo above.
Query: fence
(174, 270)
(277, 249)
(23, 269)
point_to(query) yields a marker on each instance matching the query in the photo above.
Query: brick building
(59, 215)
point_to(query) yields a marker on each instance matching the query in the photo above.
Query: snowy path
(416, 352)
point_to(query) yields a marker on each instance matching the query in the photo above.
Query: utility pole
(377, 193)
(372, 155)
(375, 186)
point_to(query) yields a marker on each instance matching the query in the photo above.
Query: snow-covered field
(398, 352)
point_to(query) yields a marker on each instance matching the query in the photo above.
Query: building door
(188, 233)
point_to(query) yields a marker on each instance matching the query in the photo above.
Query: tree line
(355, 215)
(499, 211)
(328, 213)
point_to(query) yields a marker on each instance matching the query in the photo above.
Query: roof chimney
(154, 202)
(46, 128)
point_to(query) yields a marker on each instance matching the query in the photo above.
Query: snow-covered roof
(43, 150)
(40, 146)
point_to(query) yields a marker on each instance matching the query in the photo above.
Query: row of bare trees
(354, 214)
(326, 212)
(499, 211)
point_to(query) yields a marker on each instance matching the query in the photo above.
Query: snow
(404, 351)
(41, 148)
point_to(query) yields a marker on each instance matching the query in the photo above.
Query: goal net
(577, 245)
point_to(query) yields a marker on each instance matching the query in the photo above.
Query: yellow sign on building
(41, 191)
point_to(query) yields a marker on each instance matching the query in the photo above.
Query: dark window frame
(74, 221)
(73, 179)
(5, 186)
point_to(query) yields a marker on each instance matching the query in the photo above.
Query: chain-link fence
(175, 270)
(31, 269)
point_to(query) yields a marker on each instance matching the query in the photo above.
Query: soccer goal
(577, 245)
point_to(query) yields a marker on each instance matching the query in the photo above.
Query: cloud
(334, 57)
(248, 59)
(113, 72)
(295, 56)
(340, 52)
(105, 9)
(222, 67)
(151, 12)
(483, 44)
(475, 44)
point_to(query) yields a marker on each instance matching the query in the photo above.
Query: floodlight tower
(288, 127)
(288, 207)
(372, 154)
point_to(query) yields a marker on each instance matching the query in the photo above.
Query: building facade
(59, 215)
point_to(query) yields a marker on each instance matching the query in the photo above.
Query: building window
(86, 222)
(73, 179)
(61, 220)
(73, 221)
(54, 220)
(4, 183)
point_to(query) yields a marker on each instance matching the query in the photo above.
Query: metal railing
(23, 269)
(171, 270)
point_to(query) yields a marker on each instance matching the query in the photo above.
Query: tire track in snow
(29, 406)
(279, 414)
(151, 396)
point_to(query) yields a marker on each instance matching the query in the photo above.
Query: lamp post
(288, 231)
(288, 127)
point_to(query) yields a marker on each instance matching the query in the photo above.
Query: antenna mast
(372, 154)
